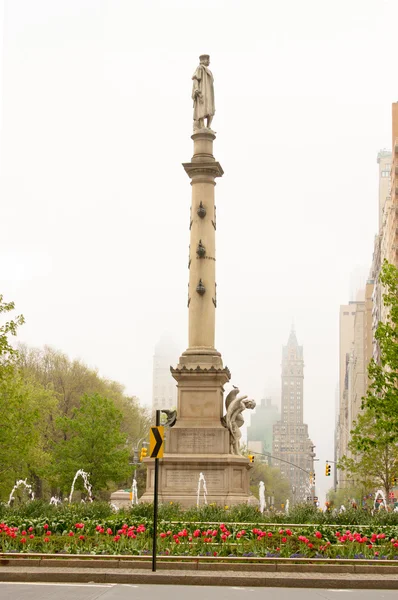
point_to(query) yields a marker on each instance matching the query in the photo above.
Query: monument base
(199, 442)
(226, 475)
(121, 499)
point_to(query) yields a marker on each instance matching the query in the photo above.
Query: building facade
(291, 443)
(359, 320)
(260, 431)
(382, 242)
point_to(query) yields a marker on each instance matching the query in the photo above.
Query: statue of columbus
(203, 94)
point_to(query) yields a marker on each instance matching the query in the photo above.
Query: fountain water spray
(17, 485)
(86, 484)
(134, 492)
(201, 482)
(261, 494)
(287, 506)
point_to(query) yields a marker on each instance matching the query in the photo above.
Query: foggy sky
(96, 121)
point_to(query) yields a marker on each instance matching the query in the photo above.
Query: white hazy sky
(96, 121)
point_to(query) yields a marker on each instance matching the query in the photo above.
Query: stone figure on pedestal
(233, 420)
(203, 94)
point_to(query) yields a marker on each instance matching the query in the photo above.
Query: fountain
(261, 493)
(86, 484)
(383, 498)
(17, 485)
(54, 500)
(134, 492)
(287, 506)
(201, 482)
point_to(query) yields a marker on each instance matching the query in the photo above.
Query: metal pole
(155, 503)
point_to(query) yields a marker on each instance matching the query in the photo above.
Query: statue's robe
(203, 106)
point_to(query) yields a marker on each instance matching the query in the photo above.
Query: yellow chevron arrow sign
(156, 442)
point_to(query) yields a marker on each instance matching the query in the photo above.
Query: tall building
(390, 235)
(346, 336)
(359, 320)
(291, 443)
(164, 389)
(260, 430)
(381, 244)
(357, 375)
(356, 349)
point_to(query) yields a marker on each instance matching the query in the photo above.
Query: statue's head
(249, 403)
(204, 59)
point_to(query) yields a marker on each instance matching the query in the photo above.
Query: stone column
(202, 296)
(199, 442)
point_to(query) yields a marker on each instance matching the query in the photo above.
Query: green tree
(71, 379)
(93, 441)
(382, 392)
(376, 464)
(8, 353)
(275, 485)
(346, 495)
(18, 413)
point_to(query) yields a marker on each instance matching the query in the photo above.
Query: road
(86, 591)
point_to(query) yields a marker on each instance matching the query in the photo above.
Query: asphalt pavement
(86, 591)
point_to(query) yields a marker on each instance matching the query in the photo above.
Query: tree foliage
(275, 485)
(57, 415)
(374, 455)
(382, 392)
(376, 465)
(93, 442)
(7, 328)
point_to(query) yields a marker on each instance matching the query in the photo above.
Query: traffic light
(251, 458)
(312, 477)
(394, 481)
(143, 453)
(328, 468)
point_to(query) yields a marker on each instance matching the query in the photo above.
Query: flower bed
(189, 539)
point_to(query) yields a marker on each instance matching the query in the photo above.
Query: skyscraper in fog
(164, 389)
(291, 442)
(260, 431)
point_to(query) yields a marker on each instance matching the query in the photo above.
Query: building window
(386, 170)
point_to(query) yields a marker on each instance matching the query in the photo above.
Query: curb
(111, 564)
(123, 576)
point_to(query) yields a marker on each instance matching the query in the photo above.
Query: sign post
(156, 441)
